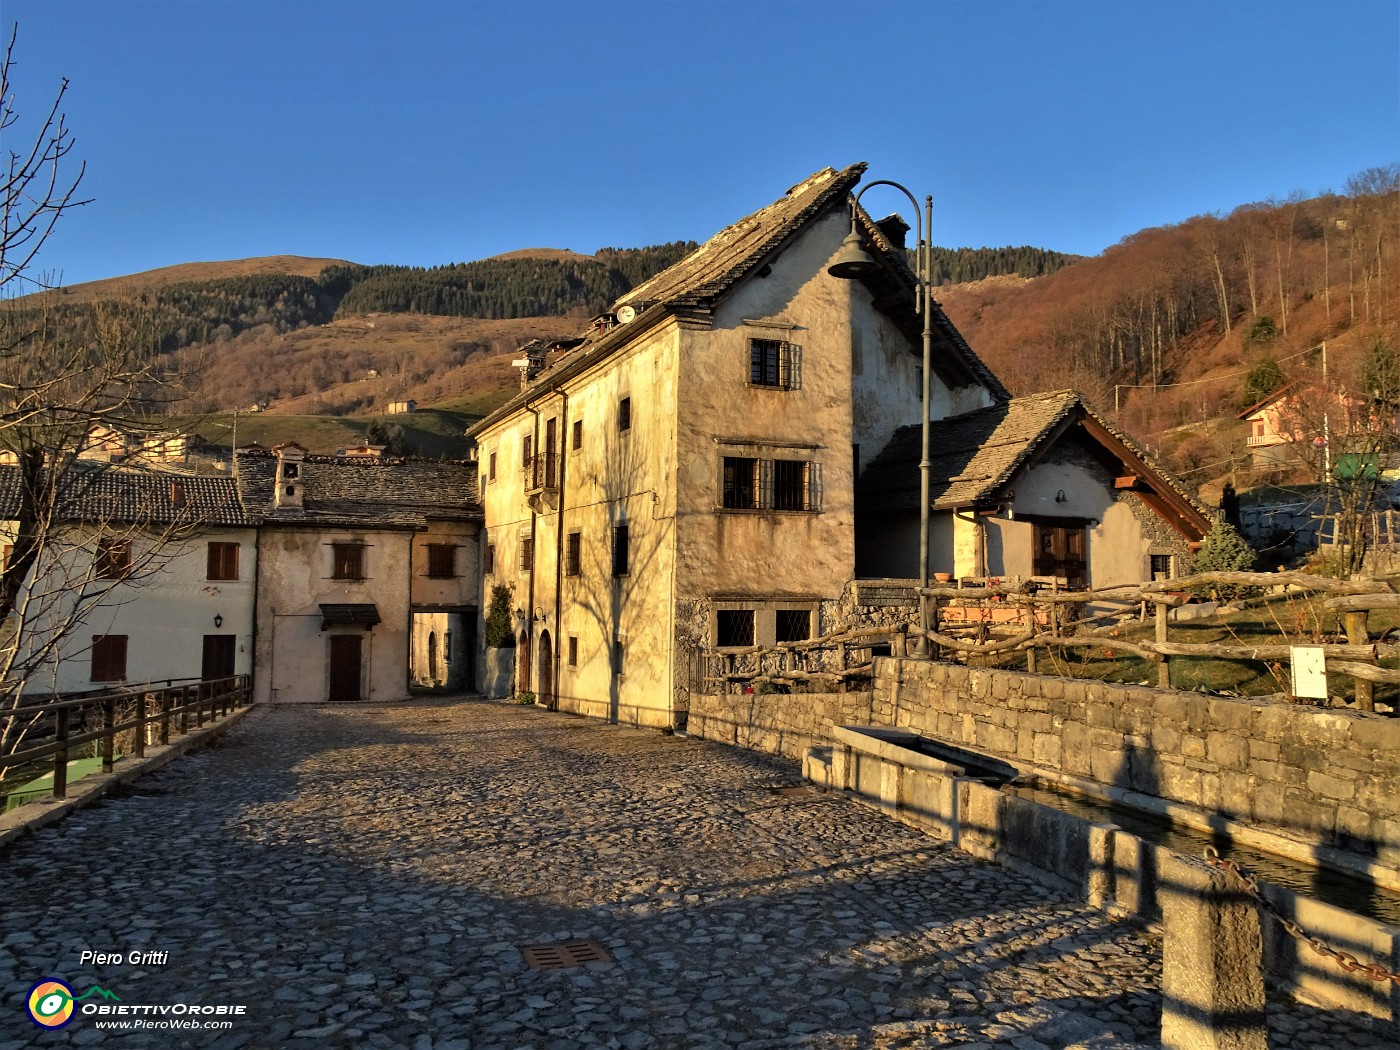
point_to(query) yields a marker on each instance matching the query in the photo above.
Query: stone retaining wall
(1329, 779)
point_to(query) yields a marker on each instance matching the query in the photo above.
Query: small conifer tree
(1224, 550)
(498, 632)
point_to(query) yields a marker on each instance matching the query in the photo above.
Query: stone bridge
(455, 874)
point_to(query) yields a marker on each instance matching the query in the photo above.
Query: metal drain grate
(565, 955)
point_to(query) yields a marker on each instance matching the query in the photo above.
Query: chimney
(894, 228)
(177, 495)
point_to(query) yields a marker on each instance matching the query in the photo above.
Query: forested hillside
(962, 265)
(213, 311)
(1171, 320)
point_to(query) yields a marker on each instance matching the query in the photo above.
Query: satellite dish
(626, 314)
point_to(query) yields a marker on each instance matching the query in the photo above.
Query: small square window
(573, 554)
(109, 658)
(223, 561)
(442, 560)
(789, 484)
(349, 561)
(740, 482)
(792, 625)
(619, 550)
(770, 363)
(624, 414)
(734, 627)
(113, 559)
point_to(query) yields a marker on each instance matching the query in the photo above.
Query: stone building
(1036, 486)
(367, 575)
(685, 475)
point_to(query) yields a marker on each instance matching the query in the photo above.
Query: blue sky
(427, 133)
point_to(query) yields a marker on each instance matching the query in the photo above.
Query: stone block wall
(1330, 779)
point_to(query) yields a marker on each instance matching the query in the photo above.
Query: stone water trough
(978, 803)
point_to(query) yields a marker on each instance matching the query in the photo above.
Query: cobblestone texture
(366, 877)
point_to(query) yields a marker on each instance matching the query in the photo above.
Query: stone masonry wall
(1328, 778)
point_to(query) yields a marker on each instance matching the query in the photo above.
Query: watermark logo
(50, 1002)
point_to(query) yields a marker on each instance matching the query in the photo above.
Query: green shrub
(1224, 550)
(498, 630)
(1263, 330)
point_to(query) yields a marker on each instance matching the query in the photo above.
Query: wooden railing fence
(1041, 620)
(148, 712)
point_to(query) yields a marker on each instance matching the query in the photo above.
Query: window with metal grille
(771, 363)
(113, 559)
(108, 657)
(740, 482)
(789, 484)
(1161, 566)
(573, 554)
(734, 627)
(768, 484)
(442, 560)
(792, 625)
(624, 414)
(223, 561)
(490, 567)
(619, 550)
(527, 555)
(573, 651)
(349, 561)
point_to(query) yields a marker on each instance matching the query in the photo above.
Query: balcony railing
(542, 472)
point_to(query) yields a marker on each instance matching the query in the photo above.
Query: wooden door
(546, 674)
(1059, 551)
(345, 667)
(219, 652)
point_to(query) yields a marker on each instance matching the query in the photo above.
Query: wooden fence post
(109, 721)
(1030, 650)
(138, 747)
(60, 753)
(1357, 634)
(1164, 669)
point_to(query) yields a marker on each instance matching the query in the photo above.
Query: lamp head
(852, 261)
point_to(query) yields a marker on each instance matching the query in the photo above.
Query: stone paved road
(367, 876)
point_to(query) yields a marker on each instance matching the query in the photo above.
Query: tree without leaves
(57, 386)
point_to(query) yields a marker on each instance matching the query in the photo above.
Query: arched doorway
(545, 695)
(522, 662)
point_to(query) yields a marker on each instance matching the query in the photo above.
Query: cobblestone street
(368, 876)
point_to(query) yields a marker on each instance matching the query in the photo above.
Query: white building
(147, 576)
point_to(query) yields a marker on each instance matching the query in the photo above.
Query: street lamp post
(853, 263)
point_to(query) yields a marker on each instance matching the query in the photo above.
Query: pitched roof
(131, 495)
(695, 284)
(976, 455)
(393, 493)
(718, 264)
